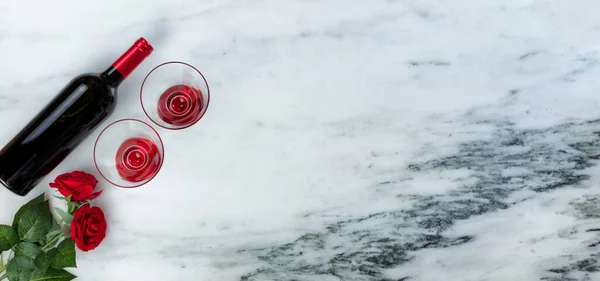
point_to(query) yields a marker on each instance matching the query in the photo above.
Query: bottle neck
(127, 63)
(112, 76)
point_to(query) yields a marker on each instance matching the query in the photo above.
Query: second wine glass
(128, 153)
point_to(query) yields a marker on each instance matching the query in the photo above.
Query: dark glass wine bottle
(70, 117)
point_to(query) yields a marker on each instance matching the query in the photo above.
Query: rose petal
(63, 177)
(93, 181)
(95, 195)
(64, 192)
(84, 177)
(72, 182)
(86, 191)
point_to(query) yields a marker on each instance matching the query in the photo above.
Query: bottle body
(64, 123)
(56, 130)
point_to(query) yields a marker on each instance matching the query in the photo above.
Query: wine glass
(175, 95)
(128, 153)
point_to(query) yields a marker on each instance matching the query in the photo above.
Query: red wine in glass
(180, 105)
(175, 95)
(138, 159)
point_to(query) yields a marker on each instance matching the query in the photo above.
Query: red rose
(78, 184)
(88, 227)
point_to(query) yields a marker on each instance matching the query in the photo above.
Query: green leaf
(65, 217)
(27, 249)
(52, 274)
(19, 269)
(55, 230)
(66, 256)
(44, 260)
(52, 234)
(8, 237)
(35, 223)
(23, 208)
(59, 197)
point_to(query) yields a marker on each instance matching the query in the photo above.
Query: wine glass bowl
(128, 153)
(175, 95)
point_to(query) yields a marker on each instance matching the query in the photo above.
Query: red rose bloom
(88, 227)
(78, 184)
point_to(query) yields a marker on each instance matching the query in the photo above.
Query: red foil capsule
(133, 57)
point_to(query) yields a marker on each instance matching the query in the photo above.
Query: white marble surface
(346, 139)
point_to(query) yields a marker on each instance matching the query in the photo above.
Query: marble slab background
(346, 139)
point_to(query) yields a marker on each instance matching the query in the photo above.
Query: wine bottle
(65, 122)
